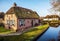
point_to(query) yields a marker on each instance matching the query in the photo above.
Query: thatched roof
(22, 12)
(52, 16)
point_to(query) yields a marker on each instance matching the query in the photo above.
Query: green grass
(27, 36)
(4, 31)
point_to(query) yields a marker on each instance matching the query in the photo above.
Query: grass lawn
(4, 31)
(27, 36)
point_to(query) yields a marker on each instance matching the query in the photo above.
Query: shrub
(1, 24)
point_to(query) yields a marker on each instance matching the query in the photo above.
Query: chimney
(14, 5)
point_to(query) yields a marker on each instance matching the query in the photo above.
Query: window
(10, 22)
(28, 12)
(21, 22)
(7, 21)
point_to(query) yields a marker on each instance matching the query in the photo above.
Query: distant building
(51, 17)
(18, 18)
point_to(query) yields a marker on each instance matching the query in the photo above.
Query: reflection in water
(59, 36)
(51, 39)
(51, 34)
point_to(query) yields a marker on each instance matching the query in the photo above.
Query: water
(51, 33)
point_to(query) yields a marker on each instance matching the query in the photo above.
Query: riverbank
(36, 38)
(50, 35)
(26, 36)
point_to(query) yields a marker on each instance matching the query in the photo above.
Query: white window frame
(10, 22)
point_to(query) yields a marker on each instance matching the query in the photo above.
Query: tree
(2, 15)
(56, 5)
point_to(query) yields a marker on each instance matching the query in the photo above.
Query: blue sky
(40, 6)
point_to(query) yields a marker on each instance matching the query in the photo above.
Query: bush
(1, 25)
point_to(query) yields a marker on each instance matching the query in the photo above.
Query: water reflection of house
(17, 18)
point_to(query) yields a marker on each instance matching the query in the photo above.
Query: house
(51, 17)
(1, 18)
(17, 18)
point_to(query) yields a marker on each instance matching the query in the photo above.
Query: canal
(51, 34)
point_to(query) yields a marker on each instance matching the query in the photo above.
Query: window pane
(10, 22)
(7, 21)
(21, 22)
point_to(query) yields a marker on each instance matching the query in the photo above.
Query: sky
(42, 7)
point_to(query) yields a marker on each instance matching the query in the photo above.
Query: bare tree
(55, 5)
